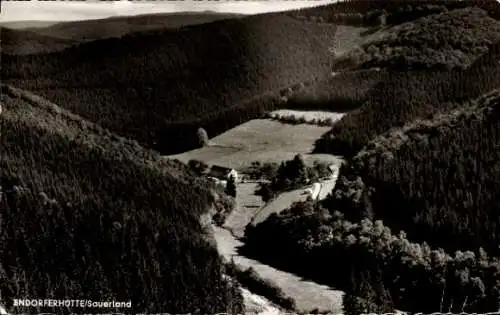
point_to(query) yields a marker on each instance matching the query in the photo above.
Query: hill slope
(23, 42)
(159, 87)
(442, 176)
(87, 213)
(89, 30)
(408, 194)
(379, 13)
(449, 39)
(408, 95)
(27, 24)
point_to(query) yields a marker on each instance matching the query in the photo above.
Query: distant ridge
(27, 24)
(24, 42)
(117, 26)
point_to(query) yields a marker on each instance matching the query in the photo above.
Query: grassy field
(261, 140)
(282, 202)
(308, 115)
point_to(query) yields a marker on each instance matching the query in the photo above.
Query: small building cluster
(221, 175)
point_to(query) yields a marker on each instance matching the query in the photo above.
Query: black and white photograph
(261, 157)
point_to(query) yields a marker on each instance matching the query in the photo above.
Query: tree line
(287, 175)
(441, 175)
(379, 269)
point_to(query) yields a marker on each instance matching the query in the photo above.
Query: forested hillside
(159, 87)
(22, 42)
(145, 85)
(344, 91)
(412, 222)
(387, 12)
(382, 269)
(448, 40)
(86, 213)
(89, 30)
(408, 95)
(442, 176)
(434, 184)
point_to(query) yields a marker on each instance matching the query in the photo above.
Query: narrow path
(308, 295)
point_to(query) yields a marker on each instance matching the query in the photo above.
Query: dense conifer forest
(86, 213)
(413, 216)
(394, 12)
(18, 40)
(407, 95)
(203, 71)
(344, 91)
(448, 40)
(174, 89)
(441, 175)
(409, 194)
(412, 223)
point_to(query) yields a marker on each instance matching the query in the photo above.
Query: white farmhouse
(223, 173)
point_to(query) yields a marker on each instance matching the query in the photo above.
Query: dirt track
(307, 294)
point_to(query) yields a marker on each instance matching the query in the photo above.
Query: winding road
(308, 295)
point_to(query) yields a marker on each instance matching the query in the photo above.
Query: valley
(339, 159)
(269, 141)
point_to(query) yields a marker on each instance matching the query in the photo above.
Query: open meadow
(261, 140)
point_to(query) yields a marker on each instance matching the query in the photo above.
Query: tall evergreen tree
(299, 169)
